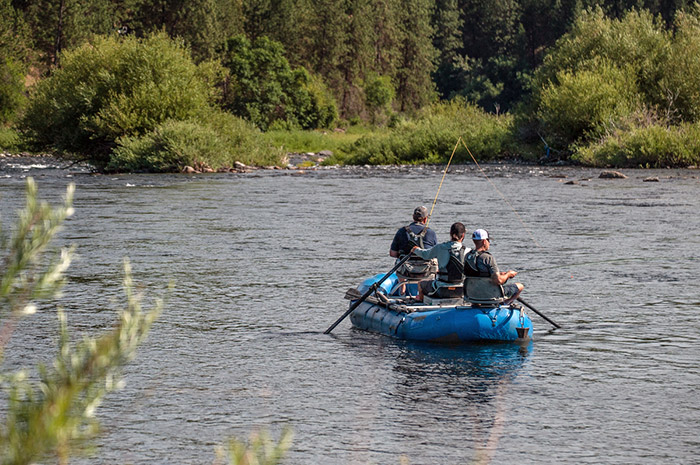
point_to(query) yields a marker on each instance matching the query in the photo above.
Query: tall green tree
(414, 85)
(342, 49)
(386, 37)
(447, 40)
(13, 58)
(285, 21)
(264, 89)
(59, 25)
(204, 25)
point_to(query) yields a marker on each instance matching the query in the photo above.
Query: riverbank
(310, 164)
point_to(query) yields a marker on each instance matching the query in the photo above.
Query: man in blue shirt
(416, 234)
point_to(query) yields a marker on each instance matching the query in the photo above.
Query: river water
(261, 262)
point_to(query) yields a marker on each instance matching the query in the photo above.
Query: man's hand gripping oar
(369, 292)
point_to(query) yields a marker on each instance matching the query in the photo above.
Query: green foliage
(204, 25)
(260, 450)
(637, 41)
(13, 57)
(50, 415)
(216, 141)
(431, 137)
(60, 25)
(11, 89)
(583, 102)
(417, 55)
(603, 70)
(299, 141)
(264, 89)
(681, 82)
(644, 146)
(379, 93)
(9, 139)
(111, 89)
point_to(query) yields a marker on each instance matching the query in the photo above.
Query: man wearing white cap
(480, 263)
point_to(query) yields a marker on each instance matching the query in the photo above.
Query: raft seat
(481, 293)
(444, 302)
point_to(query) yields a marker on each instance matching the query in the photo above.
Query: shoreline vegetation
(612, 91)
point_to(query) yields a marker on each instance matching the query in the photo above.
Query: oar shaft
(371, 289)
(538, 312)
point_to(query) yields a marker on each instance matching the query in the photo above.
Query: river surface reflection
(261, 262)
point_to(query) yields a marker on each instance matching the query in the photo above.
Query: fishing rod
(532, 236)
(430, 215)
(521, 222)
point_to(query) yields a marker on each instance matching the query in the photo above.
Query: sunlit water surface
(261, 262)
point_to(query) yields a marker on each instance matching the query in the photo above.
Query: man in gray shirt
(480, 263)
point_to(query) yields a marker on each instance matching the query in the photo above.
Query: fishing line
(499, 193)
(569, 265)
(430, 215)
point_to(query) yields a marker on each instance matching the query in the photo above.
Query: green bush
(114, 88)
(432, 136)
(379, 93)
(12, 96)
(638, 41)
(651, 146)
(264, 89)
(217, 141)
(581, 103)
(682, 81)
(9, 139)
(590, 77)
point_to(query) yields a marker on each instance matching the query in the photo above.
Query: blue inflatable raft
(440, 320)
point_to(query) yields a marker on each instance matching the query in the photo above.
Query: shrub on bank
(9, 139)
(113, 88)
(11, 88)
(216, 141)
(581, 103)
(432, 136)
(647, 147)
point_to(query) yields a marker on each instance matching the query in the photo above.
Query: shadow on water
(462, 391)
(466, 383)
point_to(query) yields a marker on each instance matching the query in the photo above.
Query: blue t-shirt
(401, 243)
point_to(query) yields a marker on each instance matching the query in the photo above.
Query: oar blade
(352, 294)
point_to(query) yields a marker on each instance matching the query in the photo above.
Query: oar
(539, 313)
(371, 289)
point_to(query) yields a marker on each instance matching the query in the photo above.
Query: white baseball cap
(480, 235)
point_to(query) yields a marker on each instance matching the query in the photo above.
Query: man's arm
(501, 277)
(425, 254)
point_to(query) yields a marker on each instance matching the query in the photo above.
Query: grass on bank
(337, 141)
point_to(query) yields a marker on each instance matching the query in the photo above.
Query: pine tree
(417, 54)
(448, 24)
(204, 25)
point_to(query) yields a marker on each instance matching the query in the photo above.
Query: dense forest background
(302, 64)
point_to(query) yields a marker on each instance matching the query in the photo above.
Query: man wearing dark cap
(416, 234)
(484, 279)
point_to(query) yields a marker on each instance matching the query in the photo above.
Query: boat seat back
(449, 302)
(452, 291)
(482, 291)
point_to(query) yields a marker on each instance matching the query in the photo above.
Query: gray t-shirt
(486, 262)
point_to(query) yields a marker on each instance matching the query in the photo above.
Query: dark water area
(261, 262)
